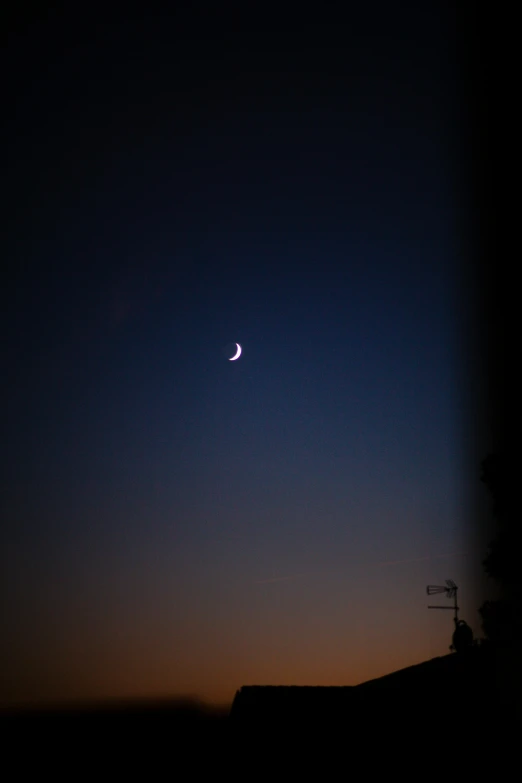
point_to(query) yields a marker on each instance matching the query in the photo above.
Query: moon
(238, 354)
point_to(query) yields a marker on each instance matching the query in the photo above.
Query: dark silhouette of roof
(450, 685)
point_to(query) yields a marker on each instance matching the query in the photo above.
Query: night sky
(173, 522)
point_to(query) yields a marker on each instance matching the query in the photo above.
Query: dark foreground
(450, 701)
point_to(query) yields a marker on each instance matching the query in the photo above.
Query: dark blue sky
(177, 185)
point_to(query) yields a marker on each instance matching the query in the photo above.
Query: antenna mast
(462, 635)
(451, 592)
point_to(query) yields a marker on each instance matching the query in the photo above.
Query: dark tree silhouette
(501, 621)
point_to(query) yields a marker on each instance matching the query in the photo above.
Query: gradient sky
(172, 522)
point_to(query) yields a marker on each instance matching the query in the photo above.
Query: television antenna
(462, 635)
(451, 592)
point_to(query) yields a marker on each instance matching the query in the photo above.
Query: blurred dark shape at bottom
(129, 711)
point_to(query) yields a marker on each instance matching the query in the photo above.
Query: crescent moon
(238, 354)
